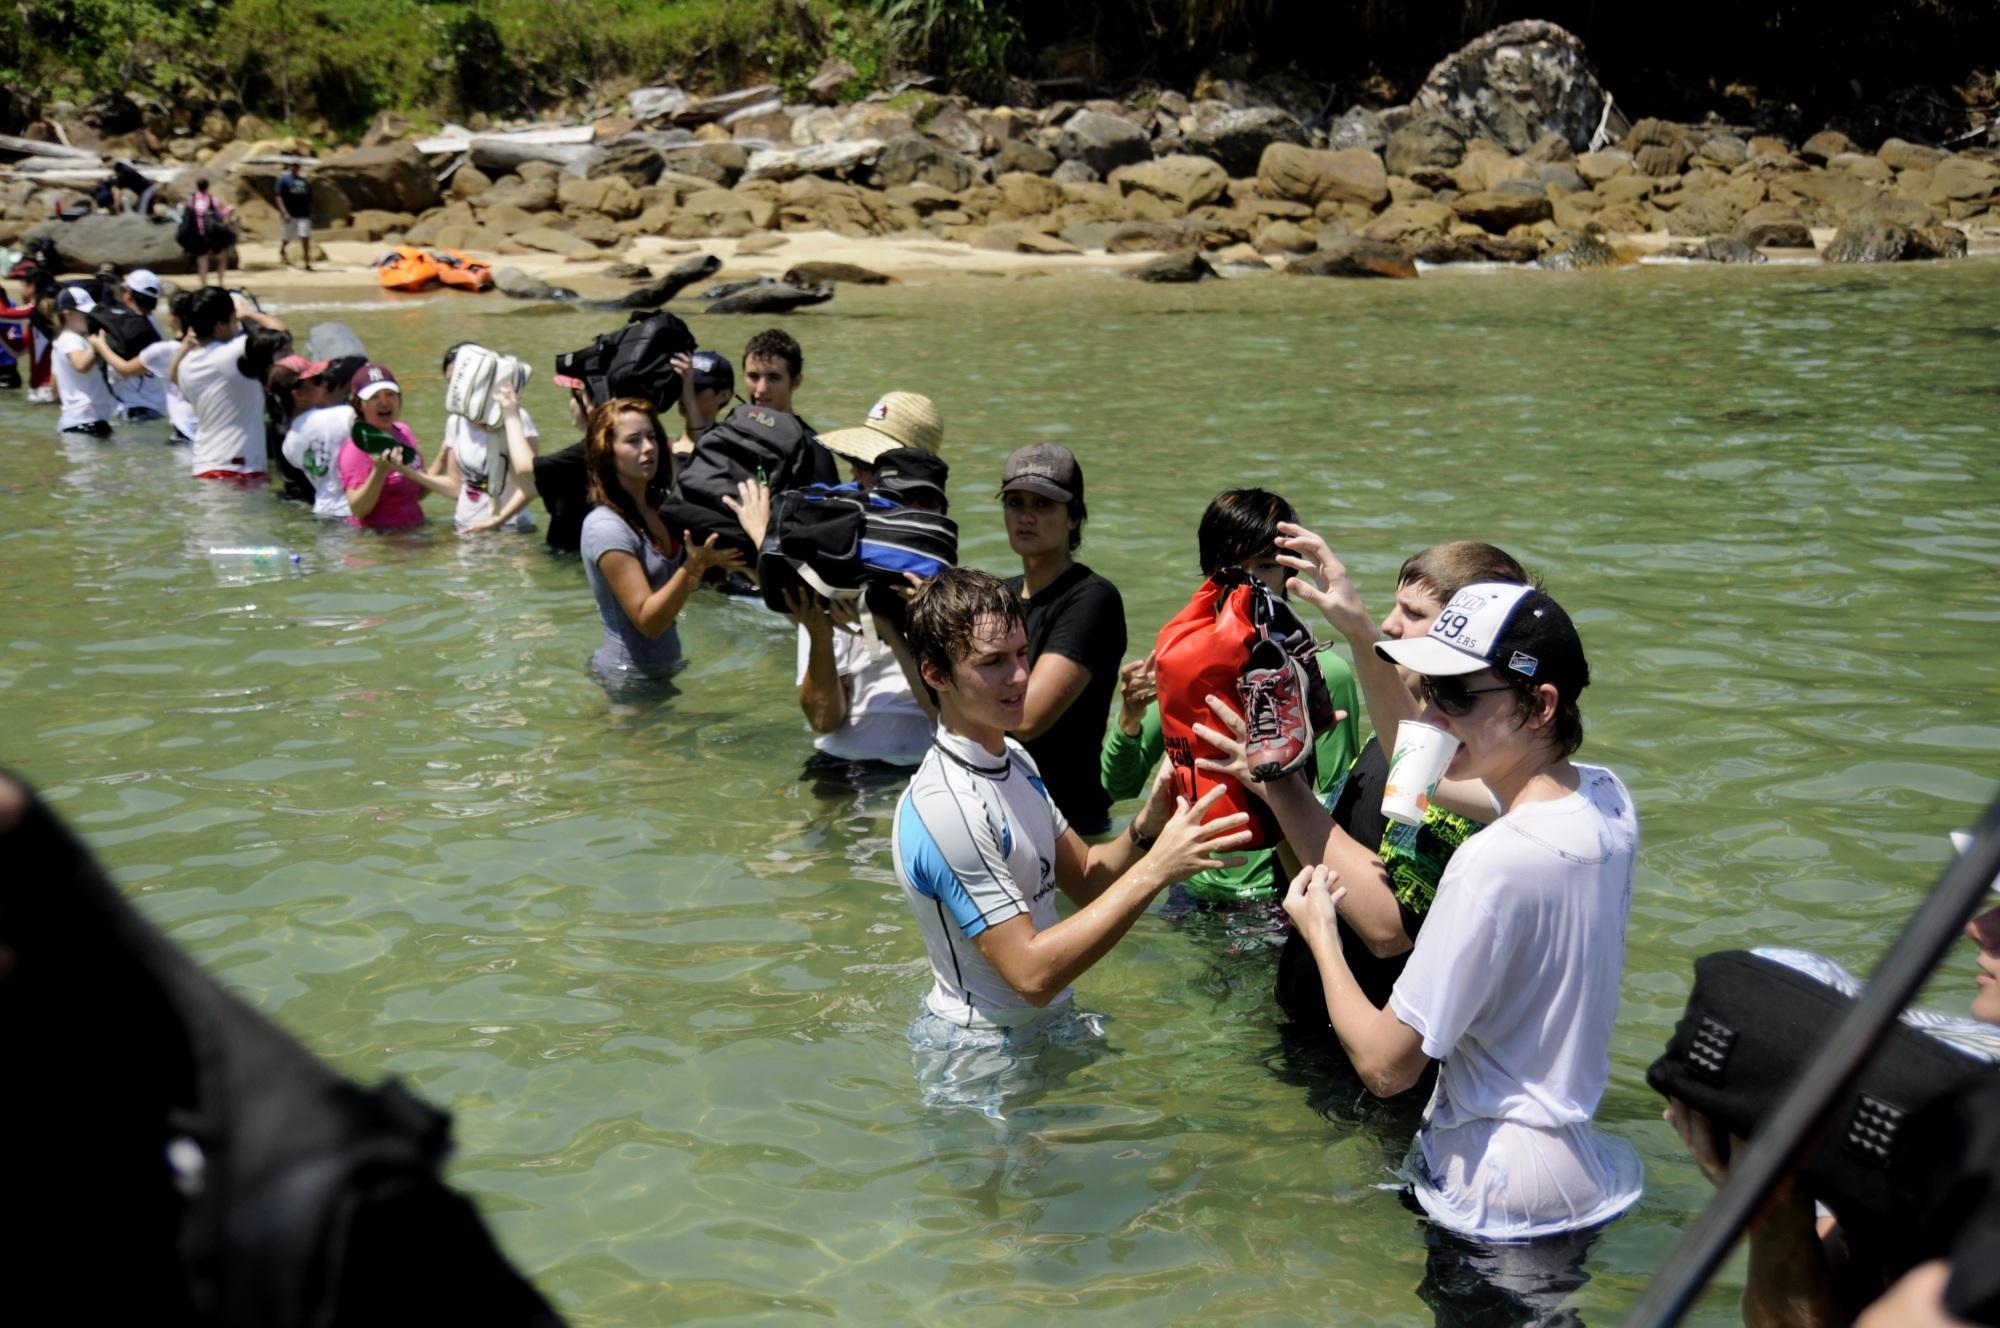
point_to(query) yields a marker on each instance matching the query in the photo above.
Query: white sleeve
(1460, 966)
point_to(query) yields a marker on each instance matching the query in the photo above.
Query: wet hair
(1240, 524)
(208, 310)
(181, 306)
(776, 344)
(1446, 569)
(600, 462)
(263, 348)
(945, 611)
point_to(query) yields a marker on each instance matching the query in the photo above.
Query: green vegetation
(340, 61)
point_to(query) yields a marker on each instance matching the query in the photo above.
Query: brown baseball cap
(1049, 469)
(900, 419)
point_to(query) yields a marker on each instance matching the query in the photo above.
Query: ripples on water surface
(663, 984)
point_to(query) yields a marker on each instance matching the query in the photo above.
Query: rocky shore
(1511, 152)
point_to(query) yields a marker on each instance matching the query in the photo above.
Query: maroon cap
(370, 379)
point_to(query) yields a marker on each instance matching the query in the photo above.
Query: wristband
(1139, 841)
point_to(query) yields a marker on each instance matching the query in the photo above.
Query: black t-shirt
(563, 483)
(1079, 616)
(295, 195)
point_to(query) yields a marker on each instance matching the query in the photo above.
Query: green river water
(663, 984)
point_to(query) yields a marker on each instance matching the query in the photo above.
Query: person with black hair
(85, 396)
(205, 234)
(708, 385)
(1076, 630)
(773, 368)
(1238, 529)
(224, 384)
(640, 573)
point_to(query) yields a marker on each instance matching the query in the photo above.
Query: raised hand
(1312, 903)
(1138, 686)
(1326, 585)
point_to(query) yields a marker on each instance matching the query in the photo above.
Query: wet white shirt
(1513, 986)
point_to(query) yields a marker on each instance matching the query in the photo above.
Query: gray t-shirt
(626, 649)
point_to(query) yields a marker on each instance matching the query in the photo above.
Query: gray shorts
(296, 228)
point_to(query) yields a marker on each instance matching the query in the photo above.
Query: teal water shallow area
(663, 983)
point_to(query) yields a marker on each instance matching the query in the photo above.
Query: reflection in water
(664, 979)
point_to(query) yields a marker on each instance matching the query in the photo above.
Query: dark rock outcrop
(1516, 83)
(775, 298)
(1350, 256)
(1186, 266)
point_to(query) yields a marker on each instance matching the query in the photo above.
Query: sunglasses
(1452, 696)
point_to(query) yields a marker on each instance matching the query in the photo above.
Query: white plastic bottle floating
(253, 555)
(241, 564)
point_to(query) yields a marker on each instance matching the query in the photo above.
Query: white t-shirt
(974, 845)
(313, 445)
(1513, 986)
(85, 396)
(158, 358)
(228, 407)
(482, 458)
(884, 721)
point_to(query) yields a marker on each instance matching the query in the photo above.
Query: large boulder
(1313, 176)
(1963, 177)
(1577, 251)
(638, 162)
(722, 212)
(1503, 209)
(391, 179)
(917, 160)
(1102, 141)
(610, 196)
(1403, 223)
(1425, 144)
(127, 240)
(1774, 226)
(1186, 182)
(1020, 155)
(1516, 83)
(1886, 242)
(820, 159)
(1024, 195)
(537, 195)
(720, 163)
(1187, 265)
(1352, 256)
(1237, 138)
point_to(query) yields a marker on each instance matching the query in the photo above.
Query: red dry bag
(1202, 651)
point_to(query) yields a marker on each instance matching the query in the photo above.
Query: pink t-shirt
(401, 501)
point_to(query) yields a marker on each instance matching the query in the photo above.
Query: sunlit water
(662, 983)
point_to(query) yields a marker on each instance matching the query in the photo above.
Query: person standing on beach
(205, 234)
(294, 198)
(1076, 630)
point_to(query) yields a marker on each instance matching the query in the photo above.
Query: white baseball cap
(77, 298)
(143, 281)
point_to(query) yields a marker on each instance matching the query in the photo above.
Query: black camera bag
(635, 360)
(1891, 1147)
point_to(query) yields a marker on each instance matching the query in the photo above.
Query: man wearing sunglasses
(1513, 984)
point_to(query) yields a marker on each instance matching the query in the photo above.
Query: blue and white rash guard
(974, 845)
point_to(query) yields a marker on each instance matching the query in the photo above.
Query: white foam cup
(1422, 752)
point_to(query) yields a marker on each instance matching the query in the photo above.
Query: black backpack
(754, 442)
(232, 1177)
(126, 332)
(636, 360)
(842, 542)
